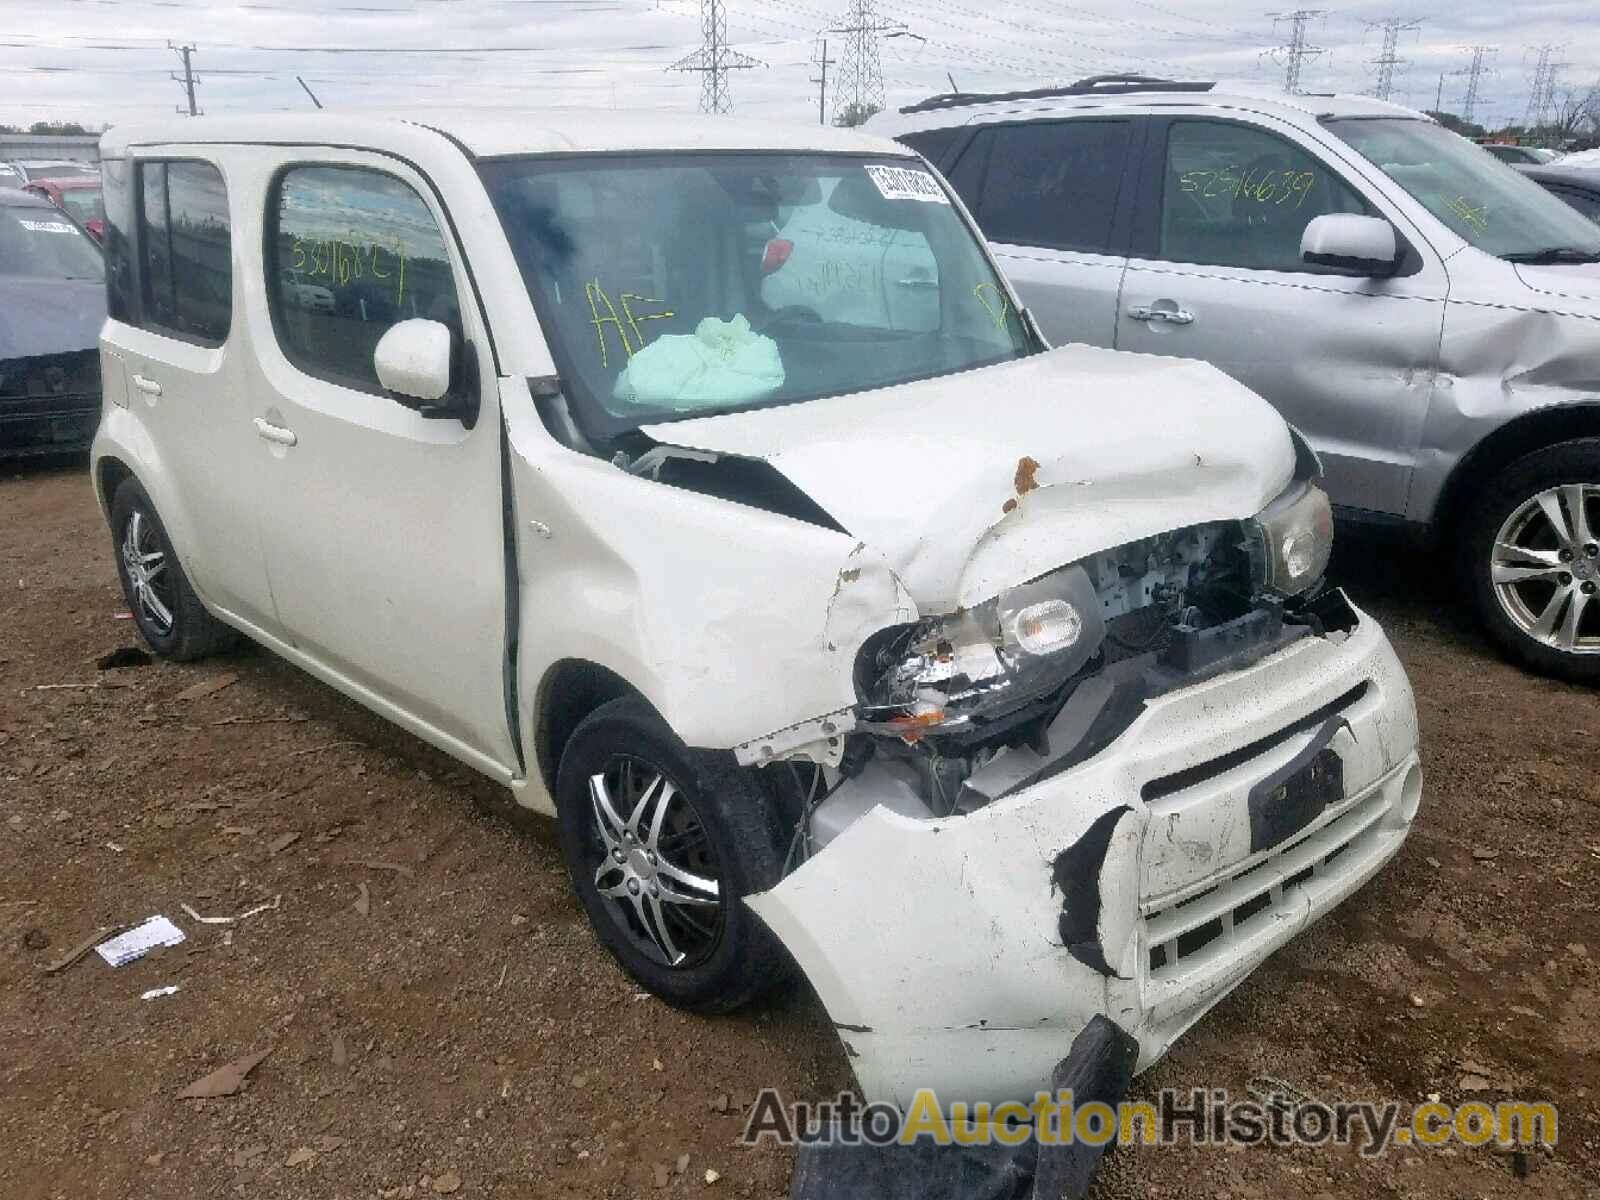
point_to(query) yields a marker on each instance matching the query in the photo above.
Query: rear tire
(663, 843)
(168, 613)
(1532, 559)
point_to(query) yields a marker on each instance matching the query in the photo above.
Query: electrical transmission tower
(715, 59)
(1299, 51)
(859, 92)
(187, 79)
(1542, 95)
(1389, 59)
(1475, 72)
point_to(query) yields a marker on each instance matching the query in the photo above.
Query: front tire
(663, 843)
(1532, 558)
(164, 605)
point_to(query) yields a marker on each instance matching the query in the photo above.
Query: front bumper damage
(965, 954)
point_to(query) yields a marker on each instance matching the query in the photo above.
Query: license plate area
(1287, 801)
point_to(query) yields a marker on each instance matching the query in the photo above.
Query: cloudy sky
(104, 61)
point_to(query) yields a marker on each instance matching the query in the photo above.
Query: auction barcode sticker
(48, 226)
(906, 183)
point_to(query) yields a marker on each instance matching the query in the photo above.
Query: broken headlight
(984, 661)
(1295, 539)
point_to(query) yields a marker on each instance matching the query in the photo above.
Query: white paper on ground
(139, 941)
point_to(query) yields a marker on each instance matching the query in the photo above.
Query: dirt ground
(440, 1020)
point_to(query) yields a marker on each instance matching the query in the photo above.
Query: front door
(382, 528)
(1216, 274)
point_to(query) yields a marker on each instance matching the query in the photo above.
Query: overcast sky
(104, 61)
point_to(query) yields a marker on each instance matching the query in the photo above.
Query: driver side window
(1237, 196)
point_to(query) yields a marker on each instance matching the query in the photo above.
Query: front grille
(1200, 926)
(1167, 785)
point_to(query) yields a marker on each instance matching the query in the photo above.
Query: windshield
(1477, 196)
(82, 203)
(677, 285)
(40, 242)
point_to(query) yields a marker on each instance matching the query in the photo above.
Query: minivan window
(39, 242)
(677, 285)
(1234, 195)
(186, 250)
(933, 144)
(351, 252)
(1480, 199)
(1054, 183)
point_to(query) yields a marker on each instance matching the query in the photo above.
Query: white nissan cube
(705, 484)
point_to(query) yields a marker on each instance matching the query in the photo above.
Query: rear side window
(121, 279)
(351, 252)
(1054, 183)
(933, 144)
(1238, 196)
(186, 250)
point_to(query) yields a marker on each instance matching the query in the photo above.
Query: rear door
(382, 528)
(1216, 274)
(1050, 196)
(173, 356)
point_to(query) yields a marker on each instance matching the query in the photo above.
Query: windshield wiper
(1553, 254)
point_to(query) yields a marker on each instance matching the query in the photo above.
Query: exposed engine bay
(960, 710)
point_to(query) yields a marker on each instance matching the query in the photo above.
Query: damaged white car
(836, 619)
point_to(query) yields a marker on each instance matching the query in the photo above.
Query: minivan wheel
(1534, 559)
(662, 843)
(164, 606)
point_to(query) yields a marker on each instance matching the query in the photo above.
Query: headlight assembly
(1295, 536)
(941, 673)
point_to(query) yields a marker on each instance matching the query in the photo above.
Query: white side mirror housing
(413, 359)
(1365, 245)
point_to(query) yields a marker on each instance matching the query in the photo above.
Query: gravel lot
(441, 1022)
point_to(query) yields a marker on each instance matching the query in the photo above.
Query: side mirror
(413, 359)
(1361, 245)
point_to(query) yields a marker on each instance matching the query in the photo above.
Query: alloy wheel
(656, 865)
(145, 559)
(1545, 567)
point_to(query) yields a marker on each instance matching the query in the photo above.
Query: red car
(79, 198)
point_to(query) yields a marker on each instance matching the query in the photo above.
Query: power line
(715, 59)
(1389, 58)
(188, 79)
(821, 80)
(1542, 95)
(1474, 72)
(1298, 51)
(860, 89)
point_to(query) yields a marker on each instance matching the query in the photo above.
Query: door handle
(1172, 316)
(917, 283)
(274, 433)
(148, 386)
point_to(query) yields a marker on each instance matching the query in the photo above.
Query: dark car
(1517, 156)
(1578, 186)
(52, 304)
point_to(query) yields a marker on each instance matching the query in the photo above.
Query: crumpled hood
(1577, 281)
(972, 483)
(49, 316)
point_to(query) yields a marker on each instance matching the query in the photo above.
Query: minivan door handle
(1151, 312)
(148, 386)
(269, 432)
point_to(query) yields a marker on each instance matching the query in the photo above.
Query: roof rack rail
(1104, 85)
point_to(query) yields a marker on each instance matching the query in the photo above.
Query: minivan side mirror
(1362, 245)
(413, 359)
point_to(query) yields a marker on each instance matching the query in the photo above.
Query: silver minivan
(1428, 318)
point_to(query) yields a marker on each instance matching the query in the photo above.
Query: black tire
(192, 632)
(740, 848)
(1510, 613)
